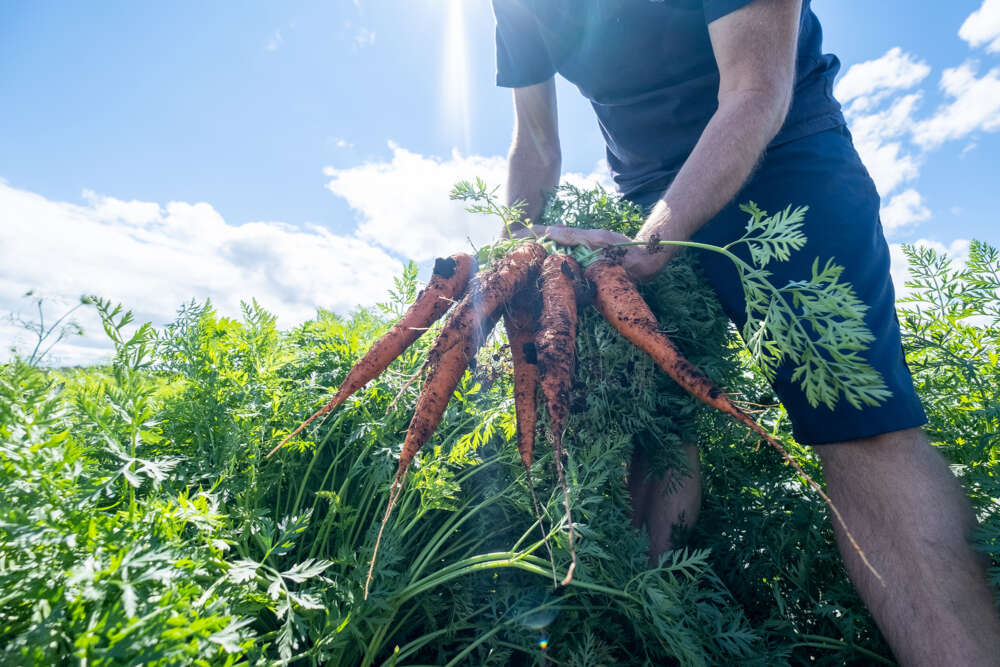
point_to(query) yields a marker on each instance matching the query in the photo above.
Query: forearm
(725, 155)
(535, 156)
(531, 173)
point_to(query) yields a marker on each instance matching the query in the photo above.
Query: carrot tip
(569, 573)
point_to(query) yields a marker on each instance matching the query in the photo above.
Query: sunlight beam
(455, 77)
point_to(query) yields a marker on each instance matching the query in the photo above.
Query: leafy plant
(951, 328)
(47, 334)
(138, 522)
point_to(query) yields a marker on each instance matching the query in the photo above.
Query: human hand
(640, 264)
(594, 239)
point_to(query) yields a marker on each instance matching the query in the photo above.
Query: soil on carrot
(444, 267)
(554, 343)
(488, 291)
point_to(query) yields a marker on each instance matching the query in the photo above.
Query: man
(705, 104)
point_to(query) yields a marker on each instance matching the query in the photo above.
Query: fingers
(642, 266)
(589, 238)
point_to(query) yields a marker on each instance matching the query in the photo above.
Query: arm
(755, 49)
(535, 158)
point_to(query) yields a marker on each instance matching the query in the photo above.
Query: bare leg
(659, 510)
(912, 519)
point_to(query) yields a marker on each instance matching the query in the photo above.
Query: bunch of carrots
(537, 294)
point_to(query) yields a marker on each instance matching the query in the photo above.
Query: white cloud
(895, 70)
(130, 212)
(889, 164)
(881, 118)
(878, 136)
(364, 37)
(153, 258)
(274, 43)
(403, 204)
(905, 209)
(983, 26)
(975, 106)
(893, 141)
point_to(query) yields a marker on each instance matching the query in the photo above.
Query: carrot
(448, 282)
(487, 292)
(521, 321)
(466, 330)
(620, 303)
(556, 347)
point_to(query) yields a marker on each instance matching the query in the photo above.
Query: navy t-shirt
(648, 69)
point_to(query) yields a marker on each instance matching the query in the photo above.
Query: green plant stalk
(305, 477)
(324, 525)
(448, 527)
(497, 628)
(451, 572)
(819, 641)
(433, 546)
(423, 640)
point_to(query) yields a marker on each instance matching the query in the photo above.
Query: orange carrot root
(448, 282)
(555, 344)
(521, 321)
(487, 293)
(620, 303)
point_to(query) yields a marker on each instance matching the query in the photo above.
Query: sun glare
(455, 77)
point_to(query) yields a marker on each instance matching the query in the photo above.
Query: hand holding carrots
(640, 264)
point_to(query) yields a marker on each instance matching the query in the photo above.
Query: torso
(648, 69)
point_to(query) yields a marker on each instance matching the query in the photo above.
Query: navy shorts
(824, 172)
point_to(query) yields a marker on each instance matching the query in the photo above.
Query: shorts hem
(868, 431)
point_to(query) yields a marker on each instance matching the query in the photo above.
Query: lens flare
(455, 79)
(543, 643)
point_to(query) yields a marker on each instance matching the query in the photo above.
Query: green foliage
(46, 334)
(951, 328)
(815, 323)
(140, 524)
(591, 209)
(85, 581)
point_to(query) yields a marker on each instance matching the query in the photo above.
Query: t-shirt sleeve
(523, 59)
(716, 9)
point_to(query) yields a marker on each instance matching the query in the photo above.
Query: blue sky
(301, 151)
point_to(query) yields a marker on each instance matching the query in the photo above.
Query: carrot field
(140, 522)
